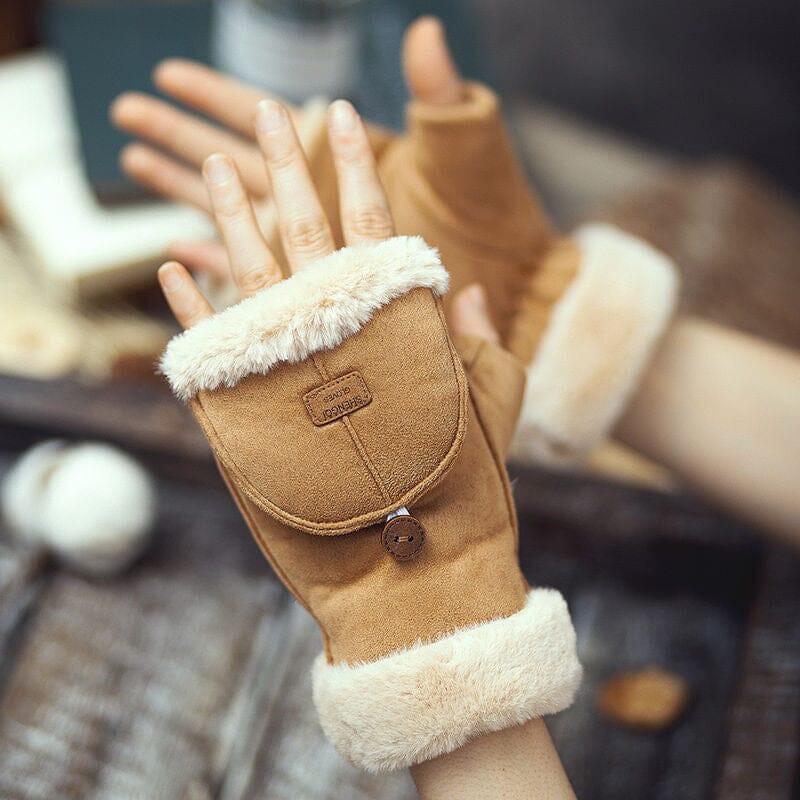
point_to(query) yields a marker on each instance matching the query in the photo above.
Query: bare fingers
(187, 138)
(211, 93)
(305, 231)
(206, 256)
(252, 264)
(182, 294)
(362, 202)
(164, 176)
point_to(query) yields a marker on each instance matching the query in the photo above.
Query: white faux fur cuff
(601, 335)
(432, 698)
(314, 310)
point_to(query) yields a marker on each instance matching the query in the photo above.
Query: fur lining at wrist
(598, 342)
(314, 310)
(432, 698)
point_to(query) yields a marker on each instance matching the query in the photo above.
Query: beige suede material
(497, 383)
(455, 180)
(315, 497)
(334, 401)
(557, 270)
(350, 473)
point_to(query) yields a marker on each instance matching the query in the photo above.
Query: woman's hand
(525, 753)
(173, 143)
(305, 232)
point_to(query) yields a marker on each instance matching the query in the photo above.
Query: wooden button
(403, 536)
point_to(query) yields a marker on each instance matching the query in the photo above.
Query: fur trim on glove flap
(314, 310)
(599, 339)
(432, 698)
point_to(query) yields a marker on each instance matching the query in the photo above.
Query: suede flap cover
(334, 443)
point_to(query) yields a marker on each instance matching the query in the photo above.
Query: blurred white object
(41, 337)
(295, 50)
(90, 503)
(46, 196)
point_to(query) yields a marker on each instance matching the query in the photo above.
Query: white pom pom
(23, 487)
(92, 504)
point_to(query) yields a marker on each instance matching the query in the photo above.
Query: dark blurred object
(18, 25)
(111, 46)
(695, 78)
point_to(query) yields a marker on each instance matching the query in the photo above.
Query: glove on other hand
(585, 312)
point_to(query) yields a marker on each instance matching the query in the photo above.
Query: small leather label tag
(337, 398)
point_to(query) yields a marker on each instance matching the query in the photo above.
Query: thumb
(496, 377)
(469, 315)
(430, 71)
(458, 139)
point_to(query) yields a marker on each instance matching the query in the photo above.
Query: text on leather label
(337, 398)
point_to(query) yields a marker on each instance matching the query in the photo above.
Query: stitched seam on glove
(354, 437)
(362, 520)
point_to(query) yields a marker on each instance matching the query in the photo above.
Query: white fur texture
(601, 335)
(314, 310)
(432, 698)
(90, 503)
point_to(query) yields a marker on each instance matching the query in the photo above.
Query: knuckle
(304, 235)
(281, 158)
(354, 153)
(253, 278)
(370, 221)
(230, 204)
(227, 212)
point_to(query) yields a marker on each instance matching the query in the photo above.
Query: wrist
(596, 341)
(434, 697)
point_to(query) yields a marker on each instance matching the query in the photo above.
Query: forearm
(516, 763)
(722, 410)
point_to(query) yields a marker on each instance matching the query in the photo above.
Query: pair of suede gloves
(366, 449)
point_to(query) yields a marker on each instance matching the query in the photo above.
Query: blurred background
(145, 648)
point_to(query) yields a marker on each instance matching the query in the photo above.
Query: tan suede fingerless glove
(455, 180)
(369, 467)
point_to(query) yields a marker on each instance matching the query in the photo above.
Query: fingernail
(343, 115)
(218, 169)
(170, 278)
(270, 116)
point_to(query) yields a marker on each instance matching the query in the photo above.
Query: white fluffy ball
(23, 486)
(90, 503)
